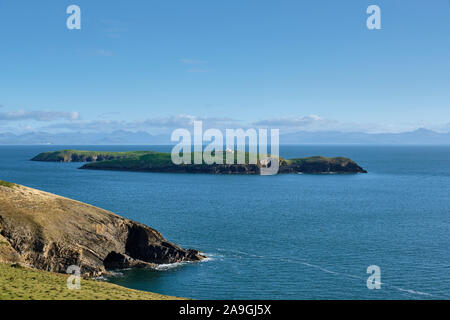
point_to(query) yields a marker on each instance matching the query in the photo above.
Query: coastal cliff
(151, 161)
(49, 232)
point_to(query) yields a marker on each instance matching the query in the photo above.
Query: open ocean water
(278, 237)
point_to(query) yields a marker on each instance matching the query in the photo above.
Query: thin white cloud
(71, 122)
(100, 53)
(196, 66)
(197, 70)
(300, 122)
(163, 124)
(113, 28)
(106, 115)
(185, 120)
(38, 115)
(192, 61)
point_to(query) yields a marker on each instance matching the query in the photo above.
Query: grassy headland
(6, 184)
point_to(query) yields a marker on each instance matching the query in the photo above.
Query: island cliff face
(161, 162)
(85, 156)
(50, 232)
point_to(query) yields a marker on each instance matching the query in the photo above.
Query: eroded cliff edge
(49, 232)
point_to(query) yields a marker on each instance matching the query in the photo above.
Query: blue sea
(278, 237)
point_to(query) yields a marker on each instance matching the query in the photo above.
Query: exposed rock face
(316, 165)
(82, 156)
(50, 232)
(185, 168)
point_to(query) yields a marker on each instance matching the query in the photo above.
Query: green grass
(162, 162)
(132, 158)
(20, 283)
(80, 155)
(154, 160)
(7, 184)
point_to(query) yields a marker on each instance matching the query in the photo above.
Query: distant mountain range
(121, 137)
(420, 136)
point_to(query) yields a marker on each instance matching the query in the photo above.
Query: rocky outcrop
(50, 232)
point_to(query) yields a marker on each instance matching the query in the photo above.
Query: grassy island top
(18, 282)
(36, 238)
(96, 156)
(162, 162)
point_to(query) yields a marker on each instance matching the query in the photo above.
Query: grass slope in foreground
(20, 283)
(161, 162)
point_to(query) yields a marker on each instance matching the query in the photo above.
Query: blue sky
(304, 65)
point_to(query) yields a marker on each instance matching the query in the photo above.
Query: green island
(151, 161)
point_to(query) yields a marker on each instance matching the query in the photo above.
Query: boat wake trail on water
(241, 254)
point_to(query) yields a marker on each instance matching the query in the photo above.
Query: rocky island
(49, 232)
(151, 161)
